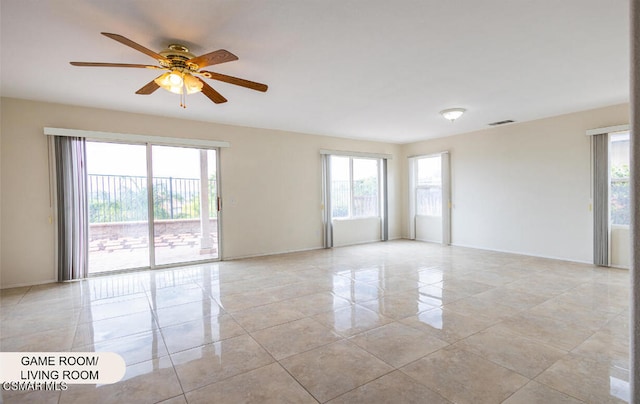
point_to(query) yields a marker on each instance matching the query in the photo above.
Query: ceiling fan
(182, 70)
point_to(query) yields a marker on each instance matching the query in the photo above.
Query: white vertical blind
(601, 199)
(412, 198)
(446, 198)
(326, 201)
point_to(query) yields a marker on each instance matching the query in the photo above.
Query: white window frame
(350, 215)
(447, 204)
(327, 221)
(418, 186)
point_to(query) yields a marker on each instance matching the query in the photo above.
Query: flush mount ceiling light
(452, 113)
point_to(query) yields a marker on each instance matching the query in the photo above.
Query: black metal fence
(117, 198)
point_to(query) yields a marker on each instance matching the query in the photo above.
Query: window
(429, 186)
(354, 187)
(619, 175)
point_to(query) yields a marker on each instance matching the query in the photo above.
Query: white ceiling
(369, 69)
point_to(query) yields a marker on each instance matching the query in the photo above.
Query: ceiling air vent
(501, 122)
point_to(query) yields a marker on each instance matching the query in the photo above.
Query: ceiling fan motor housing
(177, 56)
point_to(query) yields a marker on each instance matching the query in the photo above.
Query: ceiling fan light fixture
(452, 113)
(175, 79)
(192, 84)
(178, 82)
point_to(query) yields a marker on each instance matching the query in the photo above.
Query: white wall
(356, 231)
(270, 180)
(620, 240)
(429, 228)
(523, 187)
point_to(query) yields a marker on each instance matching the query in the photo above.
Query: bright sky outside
(121, 159)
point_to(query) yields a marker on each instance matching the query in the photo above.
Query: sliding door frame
(149, 142)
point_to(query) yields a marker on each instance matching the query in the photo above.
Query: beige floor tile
(34, 309)
(463, 286)
(146, 382)
(508, 297)
(38, 321)
(434, 295)
(247, 299)
(535, 392)
(318, 303)
(588, 380)
(543, 284)
(483, 309)
(352, 320)
(397, 344)
(334, 369)
(109, 297)
(27, 397)
(217, 361)
(53, 292)
(403, 305)
(395, 387)
(200, 332)
(187, 312)
(396, 284)
(269, 315)
(431, 276)
(58, 340)
(294, 337)
(446, 324)
(568, 312)
(490, 277)
(177, 295)
(181, 399)
(606, 346)
(12, 296)
(600, 296)
(102, 311)
(133, 348)
(463, 377)
(268, 384)
(300, 289)
(112, 328)
(547, 330)
(357, 292)
(525, 356)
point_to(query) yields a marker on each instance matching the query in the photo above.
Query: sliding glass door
(184, 204)
(151, 205)
(118, 206)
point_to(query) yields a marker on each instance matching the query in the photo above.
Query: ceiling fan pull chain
(184, 91)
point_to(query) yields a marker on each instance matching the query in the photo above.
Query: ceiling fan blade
(99, 64)
(213, 58)
(134, 45)
(148, 88)
(235, 80)
(212, 94)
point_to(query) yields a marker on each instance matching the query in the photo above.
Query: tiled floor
(395, 322)
(122, 253)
